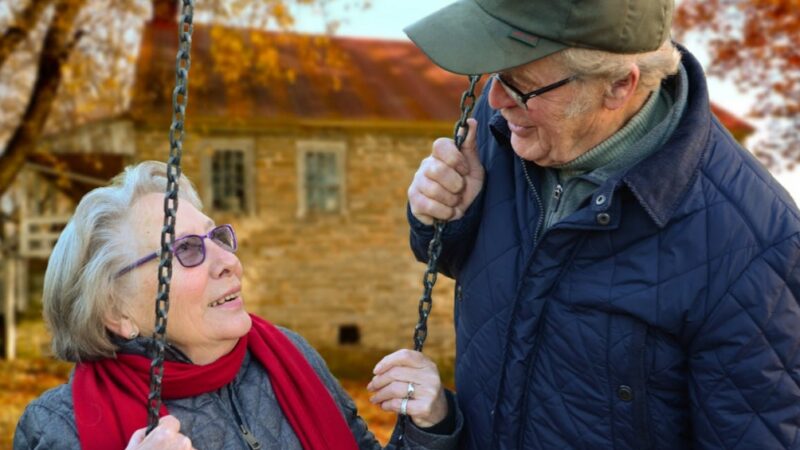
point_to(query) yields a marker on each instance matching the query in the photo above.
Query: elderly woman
(231, 379)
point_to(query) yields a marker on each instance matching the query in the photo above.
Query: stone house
(310, 169)
(308, 158)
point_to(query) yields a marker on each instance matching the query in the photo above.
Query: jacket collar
(661, 181)
(144, 345)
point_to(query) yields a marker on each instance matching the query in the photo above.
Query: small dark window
(349, 335)
(228, 181)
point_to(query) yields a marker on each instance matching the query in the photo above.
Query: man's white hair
(607, 67)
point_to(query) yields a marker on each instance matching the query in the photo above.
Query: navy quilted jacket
(662, 314)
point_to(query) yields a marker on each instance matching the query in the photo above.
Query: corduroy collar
(660, 182)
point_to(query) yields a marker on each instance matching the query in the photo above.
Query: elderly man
(627, 273)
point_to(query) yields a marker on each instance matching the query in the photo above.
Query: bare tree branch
(58, 43)
(19, 30)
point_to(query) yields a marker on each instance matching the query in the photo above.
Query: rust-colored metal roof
(254, 77)
(243, 74)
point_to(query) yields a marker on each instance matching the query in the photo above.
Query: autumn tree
(16, 55)
(756, 44)
(63, 62)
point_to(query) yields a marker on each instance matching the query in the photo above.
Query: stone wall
(317, 273)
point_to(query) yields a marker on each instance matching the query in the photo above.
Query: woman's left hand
(427, 404)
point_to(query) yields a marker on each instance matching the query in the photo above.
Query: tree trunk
(19, 30)
(57, 45)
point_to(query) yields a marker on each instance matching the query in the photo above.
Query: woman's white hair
(81, 287)
(607, 67)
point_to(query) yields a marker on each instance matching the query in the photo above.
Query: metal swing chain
(180, 97)
(435, 246)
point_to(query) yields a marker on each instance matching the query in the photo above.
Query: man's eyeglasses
(522, 99)
(191, 250)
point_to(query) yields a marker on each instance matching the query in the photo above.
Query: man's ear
(622, 90)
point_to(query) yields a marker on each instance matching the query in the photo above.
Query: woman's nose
(222, 261)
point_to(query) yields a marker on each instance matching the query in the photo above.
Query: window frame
(213, 145)
(339, 150)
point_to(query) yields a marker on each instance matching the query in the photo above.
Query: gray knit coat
(240, 415)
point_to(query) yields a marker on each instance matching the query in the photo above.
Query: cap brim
(464, 39)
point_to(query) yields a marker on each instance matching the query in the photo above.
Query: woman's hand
(428, 405)
(165, 436)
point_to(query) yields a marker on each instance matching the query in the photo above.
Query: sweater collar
(619, 150)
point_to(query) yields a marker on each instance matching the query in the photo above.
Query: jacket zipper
(539, 224)
(538, 202)
(251, 440)
(550, 216)
(557, 193)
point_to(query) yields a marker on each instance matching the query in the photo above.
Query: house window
(228, 181)
(322, 182)
(228, 168)
(321, 177)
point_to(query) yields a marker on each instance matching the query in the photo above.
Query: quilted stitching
(716, 287)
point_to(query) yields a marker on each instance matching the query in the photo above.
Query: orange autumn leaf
(756, 45)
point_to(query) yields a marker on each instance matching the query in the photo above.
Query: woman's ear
(120, 325)
(622, 90)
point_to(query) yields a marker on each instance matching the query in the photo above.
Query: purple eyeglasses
(191, 250)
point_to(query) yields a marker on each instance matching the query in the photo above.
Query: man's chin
(530, 153)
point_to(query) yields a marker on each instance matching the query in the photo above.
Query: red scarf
(110, 396)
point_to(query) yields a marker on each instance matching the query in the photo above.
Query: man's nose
(499, 98)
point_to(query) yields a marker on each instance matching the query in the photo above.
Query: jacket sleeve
(41, 427)
(457, 239)
(416, 438)
(744, 365)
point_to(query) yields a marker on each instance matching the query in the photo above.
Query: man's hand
(426, 404)
(448, 181)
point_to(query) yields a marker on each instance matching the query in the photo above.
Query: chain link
(180, 97)
(435, 246)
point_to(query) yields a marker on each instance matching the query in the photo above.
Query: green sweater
(566, 187)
